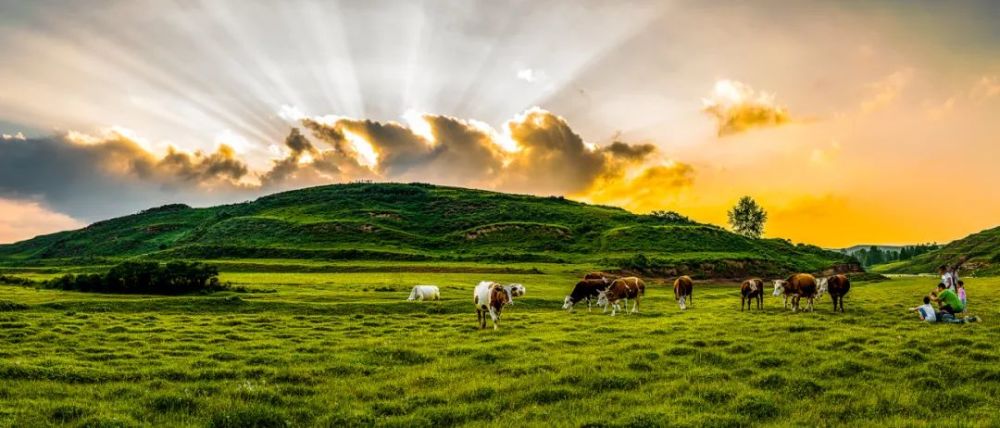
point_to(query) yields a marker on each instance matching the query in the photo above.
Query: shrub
(145, 278)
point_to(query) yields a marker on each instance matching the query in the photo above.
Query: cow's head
(821, 286)
(568, 303)
(516, 290)
(682, 303)
(779, 287)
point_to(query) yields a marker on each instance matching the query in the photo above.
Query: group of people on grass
(950, 299)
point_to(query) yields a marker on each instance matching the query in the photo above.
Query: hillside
(982, 251)
(420, 222)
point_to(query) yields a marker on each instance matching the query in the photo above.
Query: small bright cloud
(986, 87)
(531, 75)
(17, 136)
(291, 113)
(885, 91)
(737, 107)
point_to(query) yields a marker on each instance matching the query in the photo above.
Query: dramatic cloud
(737, 108)
(94, 177)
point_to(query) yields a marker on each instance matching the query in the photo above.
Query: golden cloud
(737, 108)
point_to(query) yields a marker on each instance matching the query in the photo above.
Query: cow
(838, 286)
(751, 290)
(821, 285)
(796, 286)
(683, 287)
(514, 290)
(622, 289)
(490, 298)
(425, 292)
(588, 289)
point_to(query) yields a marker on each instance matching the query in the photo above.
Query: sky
(849, 122)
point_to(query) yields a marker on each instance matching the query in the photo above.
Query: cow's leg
(479, 318)
(588, 304)
(784, 304)
(626, 306)
(495, 317)
(760, 301)
(635, 305)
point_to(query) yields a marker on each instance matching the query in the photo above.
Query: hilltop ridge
(391, 221)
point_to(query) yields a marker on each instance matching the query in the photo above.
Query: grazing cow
(490, 298)
(588, 289)
(622, 289)
(796, 286)
(751, 290)
(425, 292)
(683, 287)
(838, 286)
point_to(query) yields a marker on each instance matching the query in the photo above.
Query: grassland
(345, 349)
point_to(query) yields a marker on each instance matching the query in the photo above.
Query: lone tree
(747, 218)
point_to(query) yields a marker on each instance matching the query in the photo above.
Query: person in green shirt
(947, 300)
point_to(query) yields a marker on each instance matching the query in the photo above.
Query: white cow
(821, 286)
(425, 292)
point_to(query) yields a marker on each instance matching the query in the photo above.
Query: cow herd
(607, 291)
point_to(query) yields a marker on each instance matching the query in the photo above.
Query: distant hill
(981, 249)
(856, 248)
(369, 221)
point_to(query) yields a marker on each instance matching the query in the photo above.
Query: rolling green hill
(366, 221)
(982, 251)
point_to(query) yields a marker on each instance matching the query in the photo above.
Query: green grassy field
(345, 348)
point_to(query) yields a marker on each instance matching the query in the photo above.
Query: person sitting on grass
(927, 313)
(947, 300)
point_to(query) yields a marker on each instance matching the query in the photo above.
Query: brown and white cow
(683, 287)
(752, 290)
(588, 289)
(490, 298)
(837, 286)
(622, 289)
(796, 286)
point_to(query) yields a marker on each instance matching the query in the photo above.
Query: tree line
(875, 255)
(145, 278)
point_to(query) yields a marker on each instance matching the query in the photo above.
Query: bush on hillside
(145, 278)
(15, 280)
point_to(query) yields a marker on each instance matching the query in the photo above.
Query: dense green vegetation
(346, 349)
(418, 222)
(144, 278)
(876, 255)
(982, 251)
